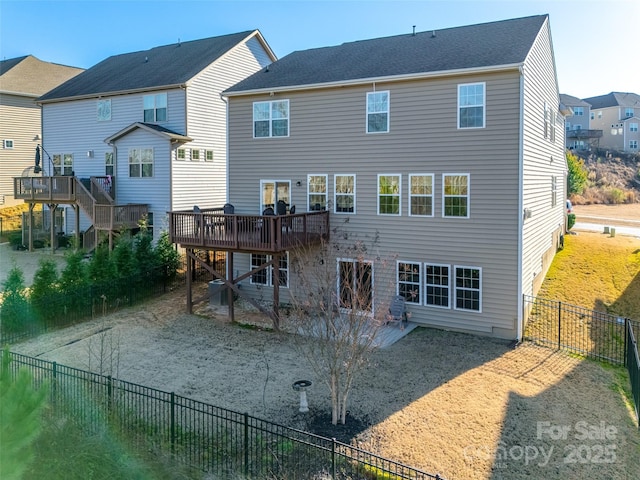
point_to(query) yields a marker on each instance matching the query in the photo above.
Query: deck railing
(53, 189)
(212, 229)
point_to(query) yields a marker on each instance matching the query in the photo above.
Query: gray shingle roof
(573, 101)
(475, 46)
(614, 99)
(162, 66)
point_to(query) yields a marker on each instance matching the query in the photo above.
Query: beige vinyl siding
(22, 129)
(205, 183)
(327, 136)
(542, 159)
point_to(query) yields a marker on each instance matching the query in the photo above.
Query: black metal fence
(598, 335)
(633, 367)
(222, 442)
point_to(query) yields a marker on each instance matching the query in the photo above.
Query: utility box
(218, 293)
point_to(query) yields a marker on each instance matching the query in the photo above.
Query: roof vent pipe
(414, 30)
(433, 34)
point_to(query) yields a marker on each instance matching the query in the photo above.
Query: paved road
(598, 226)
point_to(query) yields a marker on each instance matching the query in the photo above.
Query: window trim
(387, 111)
(325, 194)
(399, 281)
(467, 196)
(141, 163)
(483, 105)
(8, 144)
(411, 195)
(355, 261)
(426, 285)
(195, 155)
(276, 182)
(554, 190)
(181, 154)
(633, 144)
(155, 109)
(208, 155)
(271, 119)
(336, 193)
(390, 195)
(268, 272)
(109, 162)
(633, 127)
(456, 288)
(63, 168)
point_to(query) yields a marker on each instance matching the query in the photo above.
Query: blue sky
(596, 42)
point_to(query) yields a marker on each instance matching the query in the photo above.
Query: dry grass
(597, 271)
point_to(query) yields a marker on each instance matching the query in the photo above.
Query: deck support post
(276, 291)
(229, 290)
(52, 214)
(76, 211)
(189, 280)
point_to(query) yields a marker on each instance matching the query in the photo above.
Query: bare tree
(336, 302)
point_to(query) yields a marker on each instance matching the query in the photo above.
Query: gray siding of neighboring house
(73, 127)
(542, 160)
(22, 129)
(327, 136)
(205, 183)
(612, 119)
(153, 191)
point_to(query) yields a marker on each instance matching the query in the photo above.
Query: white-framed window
(103, 110)
(437, 285)
(273, 191)
(633, 144)
(355, 284)
(266, 276)
(7, 144)
(554, 191)
(389, 194)
(317, 191)
(140, 162)
(344, 200)
(592, 115)
(409, 284)
(633, 127)
(577, 126)
(378, 112)
(181, 154)
(599, 113)
(108, 163)
(421, 194)
(468, 288)
(271, 119)
(195, 155)
(628, 112)
(455, 195)
(552, 126)
(155, 108)
(208, 155)
(578, 111)
(471, 105)
(62, 164)
(546, 120)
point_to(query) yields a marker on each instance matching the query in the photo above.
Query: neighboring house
(617, 114)
(579, 135)
(22, 80)
(143, 133)
(448, 144)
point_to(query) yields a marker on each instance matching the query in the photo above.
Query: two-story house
(617, 114)
(447, 144)
(142, 133)
(579, 135)
(22, 81)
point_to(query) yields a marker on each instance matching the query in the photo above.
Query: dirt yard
(625, 214)
(462, 406)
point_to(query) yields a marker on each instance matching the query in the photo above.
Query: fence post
(246, 444)
(333, 457)
(626, 336)
(172, 424)
(109, 393)
(54, 382)
(559, 323)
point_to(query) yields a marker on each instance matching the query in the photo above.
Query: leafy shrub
(571, 220)
(15, 314)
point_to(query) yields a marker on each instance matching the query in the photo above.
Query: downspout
(226, 146)
(520, 320)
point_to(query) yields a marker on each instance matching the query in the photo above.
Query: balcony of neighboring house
(583, 134)
(212, 229)
(94, 195)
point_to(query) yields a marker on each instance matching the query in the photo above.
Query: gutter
(113, 94)
(520, 318)
(369, 80)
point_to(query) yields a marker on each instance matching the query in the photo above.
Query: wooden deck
(213, 230)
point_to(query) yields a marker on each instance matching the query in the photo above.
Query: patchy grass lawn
(597, 271)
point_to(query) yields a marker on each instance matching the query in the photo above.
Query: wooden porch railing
(115, 217)
(212, 229)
